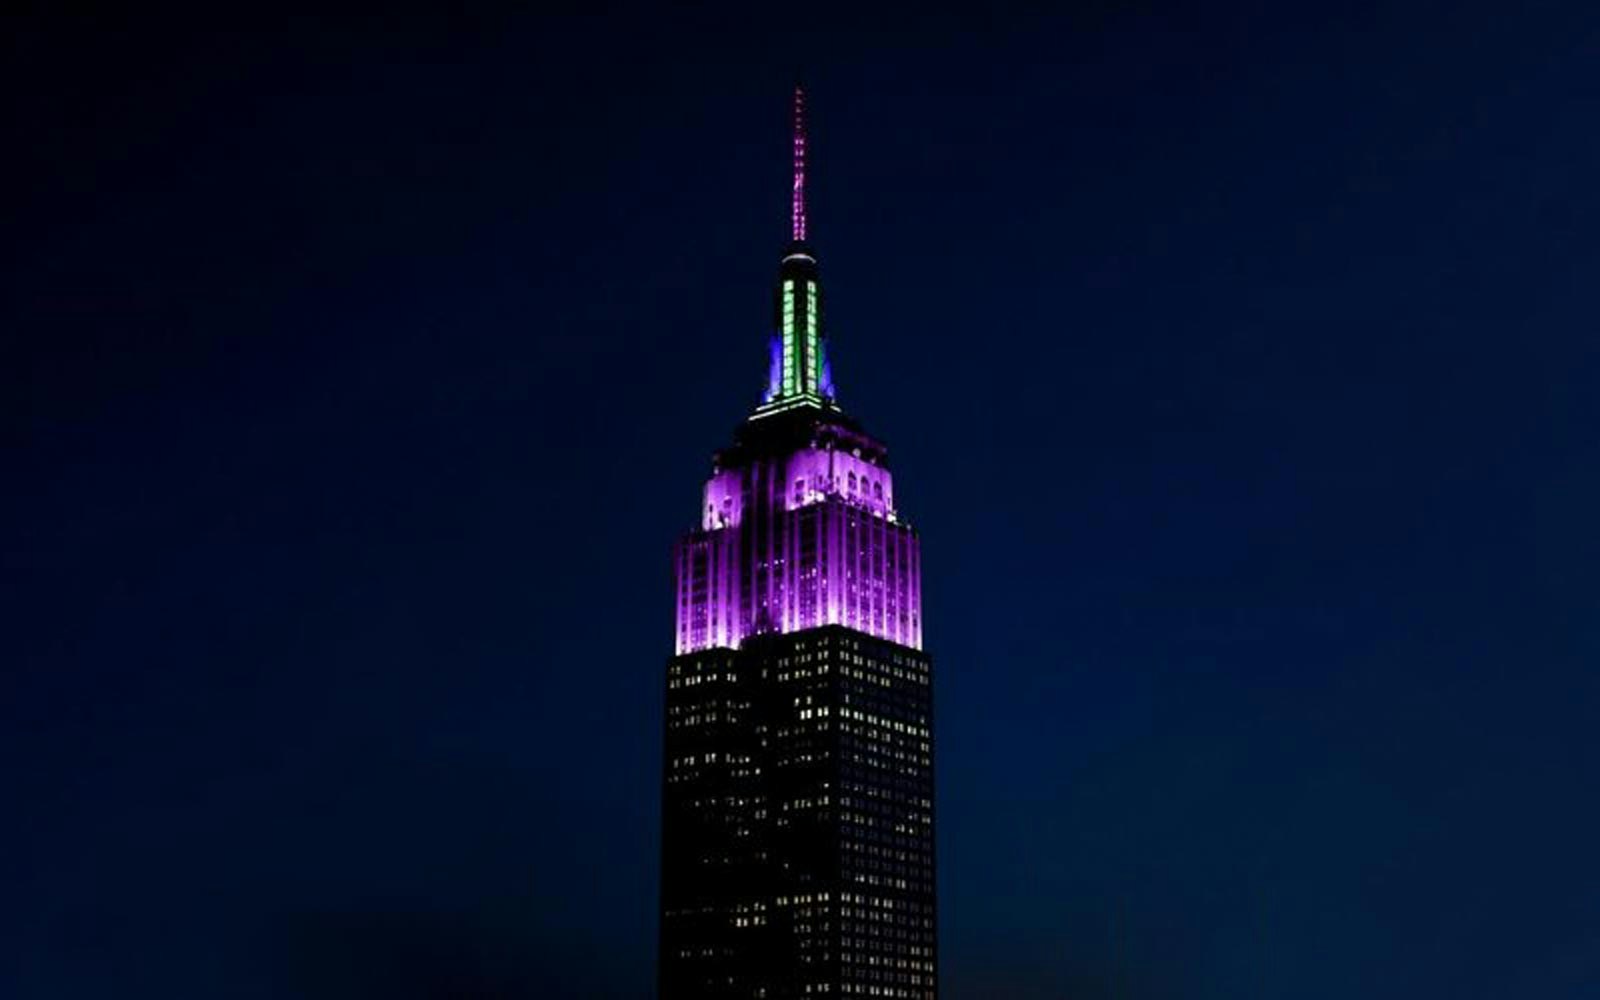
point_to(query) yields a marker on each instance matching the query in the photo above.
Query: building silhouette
(797, 829)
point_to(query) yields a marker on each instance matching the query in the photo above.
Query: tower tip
(797, 210)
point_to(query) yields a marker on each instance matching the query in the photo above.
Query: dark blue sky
(1240, 369)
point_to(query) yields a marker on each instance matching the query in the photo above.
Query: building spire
(798, 204)
(798, 372)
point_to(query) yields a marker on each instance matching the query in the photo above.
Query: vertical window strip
(788, 338)
(812, 348)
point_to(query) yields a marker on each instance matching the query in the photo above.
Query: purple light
(830, 550)
(774, 369)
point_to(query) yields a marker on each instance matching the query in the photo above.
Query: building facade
(797, 805)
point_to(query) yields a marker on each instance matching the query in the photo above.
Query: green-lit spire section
(799, 373)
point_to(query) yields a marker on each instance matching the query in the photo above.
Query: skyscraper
(797, 828)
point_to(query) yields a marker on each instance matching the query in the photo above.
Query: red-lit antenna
(798, 207)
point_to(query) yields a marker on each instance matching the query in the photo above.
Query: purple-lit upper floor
(798, 529)
(784, 461)
(827, 563)
(806, 477)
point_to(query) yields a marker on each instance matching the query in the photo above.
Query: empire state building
(797, 839)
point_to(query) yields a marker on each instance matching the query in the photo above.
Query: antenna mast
(798, 205)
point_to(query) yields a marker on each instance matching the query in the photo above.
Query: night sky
(1239, 367)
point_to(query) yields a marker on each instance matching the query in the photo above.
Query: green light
(812, 345)
(789, 372)
(800, 361)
